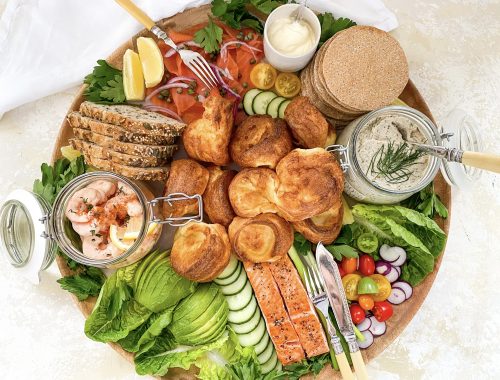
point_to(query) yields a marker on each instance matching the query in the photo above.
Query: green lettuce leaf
(115, 313)
(165, 354)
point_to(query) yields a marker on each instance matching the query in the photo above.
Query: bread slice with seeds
(133, 119)
(77, 120)
(158, 151)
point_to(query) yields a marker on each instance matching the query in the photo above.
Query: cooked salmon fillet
(279, 325)
(300, 309)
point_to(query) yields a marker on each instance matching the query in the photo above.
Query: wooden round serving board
(403, 314)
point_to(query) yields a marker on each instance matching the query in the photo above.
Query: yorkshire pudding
(207, 139)
(324, 227)
(264, 238)
(200, 251)
(253, 192)
(310, 182)
(260, 141)
(188, 177)
(216, 196)
(308, 125)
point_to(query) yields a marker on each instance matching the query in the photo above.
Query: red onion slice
(397, 296)
(383, 267)
(169, 112)
(405, 287)
(368, 339)
(365, 325)
(377, 328)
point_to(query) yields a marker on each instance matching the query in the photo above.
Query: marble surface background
(454, 55)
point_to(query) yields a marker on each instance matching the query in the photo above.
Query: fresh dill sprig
(393, 162)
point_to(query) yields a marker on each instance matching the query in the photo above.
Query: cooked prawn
(134, 208)
(107, 187)
(80, 205)
(87, 229)
(124, 189)
(96, 247)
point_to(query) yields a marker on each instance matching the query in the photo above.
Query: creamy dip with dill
(385, 155)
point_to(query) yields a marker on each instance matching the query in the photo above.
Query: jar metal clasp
(45, 221)
(341, 152)
(177, 221)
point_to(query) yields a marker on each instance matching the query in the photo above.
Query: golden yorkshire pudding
(253, 192)
(188, 177)
(216, 196)
(200, 251)
(207, 139)
(264, 238)
(308, 125)
(260, 141)
(310, 182)
(324, 227)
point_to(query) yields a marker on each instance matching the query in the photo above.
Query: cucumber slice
(248, 100)
(261, 101)
(240, 300)
(270, 364)
(262, 345)
(246, 327)
(244, 314)
(278, 366)
(281, 109)
(231, 279)
(231, 267)
(274, 105)
(265, 355)
(237, 286)
(254, 336)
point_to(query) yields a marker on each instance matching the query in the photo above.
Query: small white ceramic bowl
(283, 62)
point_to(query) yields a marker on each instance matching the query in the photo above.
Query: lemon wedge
(151, 61)
(123, 237)
(70, 153)
(133, 78)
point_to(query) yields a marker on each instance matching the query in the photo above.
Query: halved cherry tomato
(382, 311)
(367, 286)
(384, 287)
(366, 302)
(342, 272)
(357, 314)
(349, 264)
(366, 265)
(263, 76)
(350, 283)
(287, 85)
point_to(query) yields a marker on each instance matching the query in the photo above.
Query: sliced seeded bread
(133, 119)
(119, 158)
(77, 120)
(158, 151)
(141, 174)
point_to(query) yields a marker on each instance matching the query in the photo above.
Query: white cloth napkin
(47, 46)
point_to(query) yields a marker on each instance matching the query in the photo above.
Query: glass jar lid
(24, 234)
(459, 130)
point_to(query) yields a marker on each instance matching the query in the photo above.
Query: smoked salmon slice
(279, 325)
(299, 306)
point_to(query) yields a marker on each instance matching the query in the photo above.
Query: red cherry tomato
(349, 264)
(357, 313)
(382, 311)
(342, 272)
(366, 265)
(366, 302)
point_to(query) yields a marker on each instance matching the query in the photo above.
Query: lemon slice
(133, 78)
(70, 153)
(123, 237)
(151, 61)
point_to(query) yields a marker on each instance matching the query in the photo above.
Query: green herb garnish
(209, 37)
(235, 14)
(330, 25)
(427, 202)
(105, 84)
(85, 284)
(393, 162)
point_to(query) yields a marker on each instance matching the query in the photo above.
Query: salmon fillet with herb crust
(300, 309)
(279, 325)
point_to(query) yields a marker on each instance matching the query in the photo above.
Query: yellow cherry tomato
(263, 76)
(350, 283)
(384, 287)
(287, 85)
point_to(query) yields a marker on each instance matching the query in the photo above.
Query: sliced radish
(377, 328)
(405, 287)
(365, 325)
(399, 271)
(396, 256)
(382, 267)
(397, 296)
(368, 339)
(393, 275)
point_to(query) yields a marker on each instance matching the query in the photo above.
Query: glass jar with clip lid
(98, 219)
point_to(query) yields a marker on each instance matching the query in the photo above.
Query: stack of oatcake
(126, 140)
(356, 71)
